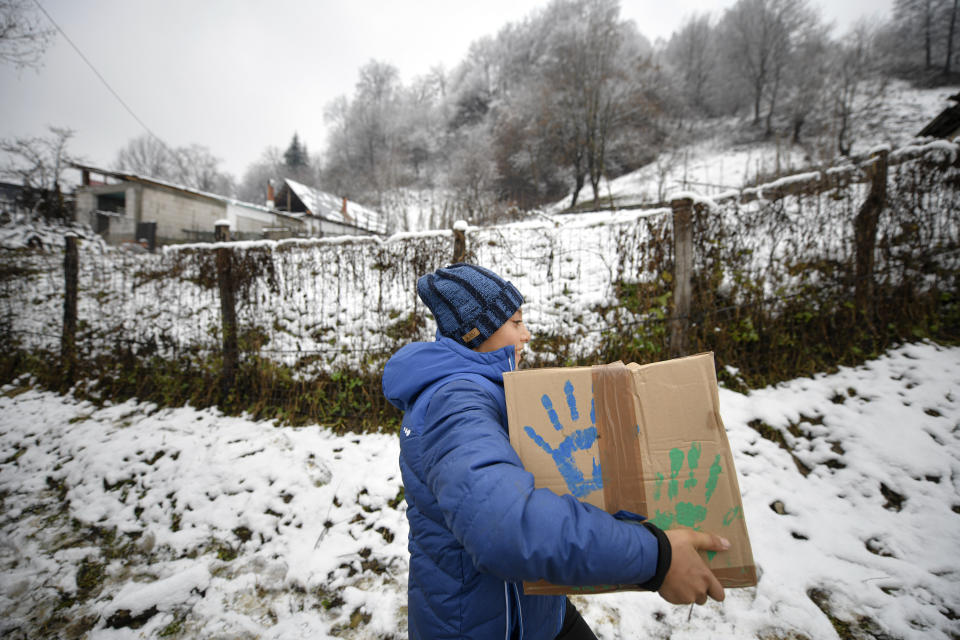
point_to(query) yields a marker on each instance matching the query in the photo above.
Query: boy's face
(512, 332)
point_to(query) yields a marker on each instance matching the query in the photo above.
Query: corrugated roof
(330, 207)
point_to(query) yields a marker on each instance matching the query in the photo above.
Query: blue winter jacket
(478, 527)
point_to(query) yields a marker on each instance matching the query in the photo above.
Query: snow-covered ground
(134, 521)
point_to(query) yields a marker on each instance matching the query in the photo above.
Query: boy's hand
(688, 579)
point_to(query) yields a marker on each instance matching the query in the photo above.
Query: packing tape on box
(618, 439)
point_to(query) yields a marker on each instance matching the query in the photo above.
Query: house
(33, 201)
(10, 196)
(947, 124)
(126, 207)
(325, 213)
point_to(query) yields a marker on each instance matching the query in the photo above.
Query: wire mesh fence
(598, 285)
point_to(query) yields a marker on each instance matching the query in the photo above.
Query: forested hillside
(573, 95)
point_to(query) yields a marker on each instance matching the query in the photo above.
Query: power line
(100, 76)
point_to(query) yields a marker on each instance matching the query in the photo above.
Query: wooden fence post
(865, 233)
(682, 274)
(228, 310)
(68, 341)
(459, 241)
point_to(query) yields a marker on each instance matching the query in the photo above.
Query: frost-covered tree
(196, 167)
(857, 82)
(580, 62)
(920, 29)
(147, 156)
(473, 176)
(268, 169)
(951, 35)
(387, 135)
(193, 166)
(691, 52)
(364, 147)
(759, 40)
(807, 73)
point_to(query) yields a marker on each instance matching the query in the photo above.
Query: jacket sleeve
(510, 528)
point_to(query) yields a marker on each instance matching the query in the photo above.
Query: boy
(478, 527)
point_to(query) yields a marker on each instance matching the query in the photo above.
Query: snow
(236, 528)
(22, 229)
(209, 526)
(164, 594)
(946, 149)
(718, 165)
(328, 206)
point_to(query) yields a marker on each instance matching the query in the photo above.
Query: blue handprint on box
(578, 440)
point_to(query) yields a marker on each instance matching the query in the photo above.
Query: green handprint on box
(686, 513)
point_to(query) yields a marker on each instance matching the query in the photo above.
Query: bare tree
(530, 145)
(268, 169)
(193, 166)
(759, 37)
(38, 163)
(23, 35)
(926, 30)
(807, 71)
(857, 82)
(692, 53)
(590, 64)
(196, 167)
(950, 33)
(472, 176)
(147, 156)
(387, 135)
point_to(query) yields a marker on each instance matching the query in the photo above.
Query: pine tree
(295, 156)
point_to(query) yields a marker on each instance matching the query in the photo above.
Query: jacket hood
(418, 365)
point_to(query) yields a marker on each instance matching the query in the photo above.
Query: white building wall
(249, 220)
(329, 228)
(179, 217)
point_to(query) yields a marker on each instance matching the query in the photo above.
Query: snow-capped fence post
(228, 308)
(865, 232)
(68, 341)
(459, 241)
(682, 274)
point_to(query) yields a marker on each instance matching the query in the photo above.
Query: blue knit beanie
(468, 302)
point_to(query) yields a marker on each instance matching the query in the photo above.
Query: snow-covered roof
(330, 207)
(946, 124)
(133, 177)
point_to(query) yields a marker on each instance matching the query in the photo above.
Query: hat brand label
(470, 335)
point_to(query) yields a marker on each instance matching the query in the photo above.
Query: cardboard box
(646, 439)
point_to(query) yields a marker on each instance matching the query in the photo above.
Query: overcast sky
(238, 76)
